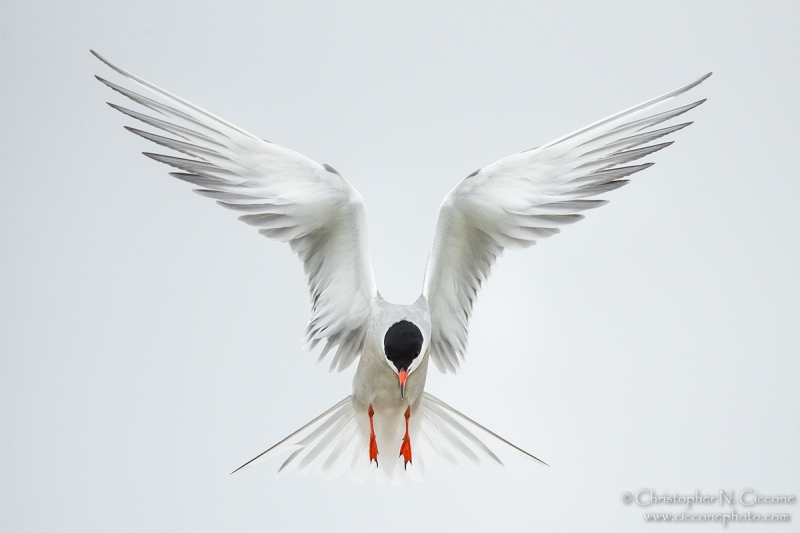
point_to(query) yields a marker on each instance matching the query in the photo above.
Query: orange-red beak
(402, 375)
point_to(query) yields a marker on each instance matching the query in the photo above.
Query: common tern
(389, 423)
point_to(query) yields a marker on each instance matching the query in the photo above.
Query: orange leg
(405, 447)
(373, 444)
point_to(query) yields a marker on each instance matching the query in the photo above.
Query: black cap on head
(402, 344)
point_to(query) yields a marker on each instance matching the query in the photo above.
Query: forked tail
(337, 441)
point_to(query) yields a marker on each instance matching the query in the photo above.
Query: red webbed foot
(405, 447)
(373, 444)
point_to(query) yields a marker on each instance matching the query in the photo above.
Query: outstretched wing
(287, 196)
(526, 197)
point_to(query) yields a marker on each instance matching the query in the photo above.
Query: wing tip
(700, 80)
(113, 67)
(103, 59)
(693, 84)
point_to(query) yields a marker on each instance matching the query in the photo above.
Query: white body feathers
(512, 203)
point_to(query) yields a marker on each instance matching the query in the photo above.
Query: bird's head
(402, 345)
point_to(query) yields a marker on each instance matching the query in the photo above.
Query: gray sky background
(149, 341)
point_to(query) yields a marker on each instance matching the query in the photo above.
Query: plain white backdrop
(149, 341)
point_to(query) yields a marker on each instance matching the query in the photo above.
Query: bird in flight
(389, 423)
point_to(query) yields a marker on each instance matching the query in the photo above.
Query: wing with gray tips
(285, 195)
(526, 197)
